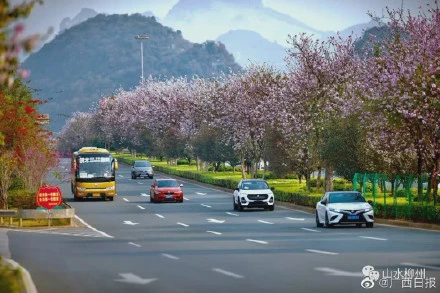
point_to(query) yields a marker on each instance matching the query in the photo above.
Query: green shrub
(22, 199)
(10, 278)
(340, 184)
(291, 176)
(182, 162)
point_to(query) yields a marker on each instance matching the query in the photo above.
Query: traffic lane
(79, 264)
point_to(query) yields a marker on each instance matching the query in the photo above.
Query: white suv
(253, 193)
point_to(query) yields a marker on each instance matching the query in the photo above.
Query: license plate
(170, 196)
(356, 217)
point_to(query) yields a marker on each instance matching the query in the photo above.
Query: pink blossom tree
(402, 83)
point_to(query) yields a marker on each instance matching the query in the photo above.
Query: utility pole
(142, 38)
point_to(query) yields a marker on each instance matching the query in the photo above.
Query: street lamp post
(142, 38)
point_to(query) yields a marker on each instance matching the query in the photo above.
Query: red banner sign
(49, 197)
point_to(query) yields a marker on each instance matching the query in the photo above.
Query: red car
(166, 190)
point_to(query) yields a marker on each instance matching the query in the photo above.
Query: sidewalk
(29, 286)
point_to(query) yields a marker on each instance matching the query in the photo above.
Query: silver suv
(142, 169)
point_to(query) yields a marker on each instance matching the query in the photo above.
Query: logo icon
(370, 275)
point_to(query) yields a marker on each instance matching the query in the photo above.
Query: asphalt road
(203, 245)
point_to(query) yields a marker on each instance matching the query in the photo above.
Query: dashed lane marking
(227, 273)
(170, 256)
(322, 252)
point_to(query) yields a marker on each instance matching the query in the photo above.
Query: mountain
(208, 19)
(100, 55)
(82, 16)
(250, 47)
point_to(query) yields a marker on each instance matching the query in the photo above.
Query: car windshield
(253, 185)
(167, 183)
(346, 197)
(142, 164)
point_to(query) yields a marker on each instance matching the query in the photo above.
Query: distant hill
(83, 15)
(226, 15)
(100, 55)
(250, 47)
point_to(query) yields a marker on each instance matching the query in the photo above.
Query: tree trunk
(328, 178)
(243, 170)
(318, 181)
(419, 175)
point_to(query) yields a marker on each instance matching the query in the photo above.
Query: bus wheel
(111, 198)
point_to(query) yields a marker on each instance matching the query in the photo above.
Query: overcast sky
(325, 15)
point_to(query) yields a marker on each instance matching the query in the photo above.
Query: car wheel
(239, 206)
(235, 205)
(151, 177)
(327, 222)
(370, 225)
(358, 225)
(318, 223)
(272, 207)
(111, 198)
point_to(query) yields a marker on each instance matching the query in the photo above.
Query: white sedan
(342, 208)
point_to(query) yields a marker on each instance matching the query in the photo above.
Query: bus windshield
(92, 166)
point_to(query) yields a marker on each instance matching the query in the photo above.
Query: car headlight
(110, 188)
(334, 210)
(81, 188)
(367, 210)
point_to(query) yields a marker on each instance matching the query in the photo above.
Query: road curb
(28, 283)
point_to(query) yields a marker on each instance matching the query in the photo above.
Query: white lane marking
(205, 205)
(185, 198)
(121, 176)
(125, 199)
(144, 194)
(257, 241)
(409, 264)
(141, 207)
(322, 252)
(215, 221)
(140, 183)
(160, 216)
(213, 232)
(134, 244)
(295, 219)
(232, 214)
(335, 272)
(311, 230)
(130, 223)
(374, 238)
(182, 224)
(226, 273)
(293, 209)
(200, 193)
(94, 229)
(265, 222)
(132, 278)
(170, 256)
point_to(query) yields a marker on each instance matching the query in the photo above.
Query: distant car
(253, 193)
(142, 169)
(166, 190)
(343, 208)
